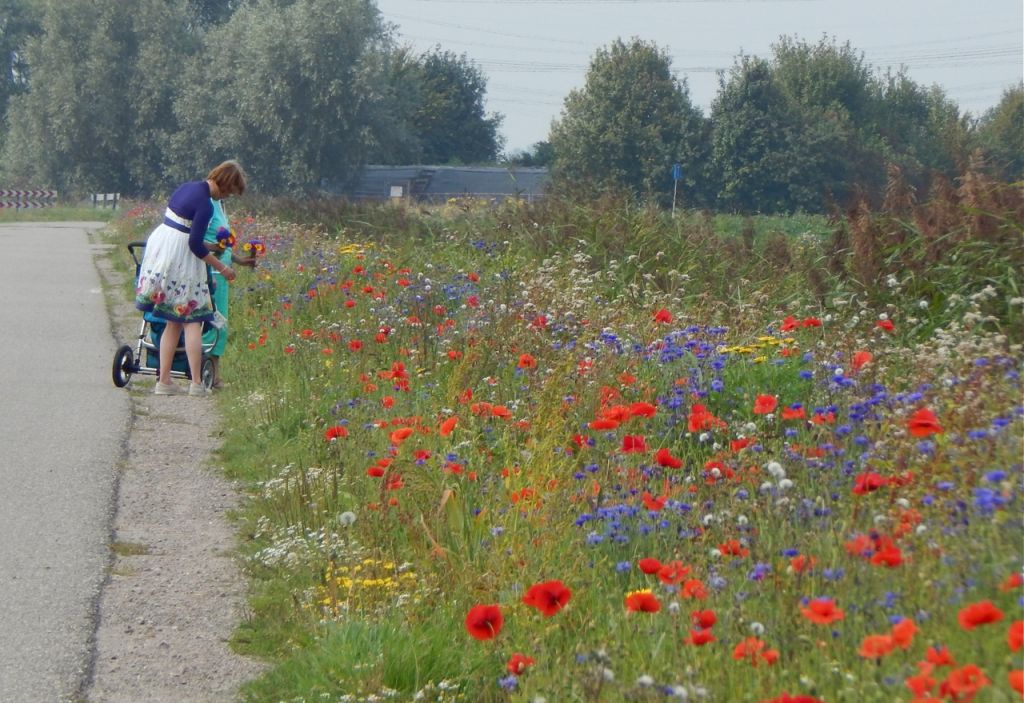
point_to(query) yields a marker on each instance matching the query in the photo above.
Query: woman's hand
(228, 273)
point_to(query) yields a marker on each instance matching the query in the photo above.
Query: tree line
(136, 95)
(809, 128)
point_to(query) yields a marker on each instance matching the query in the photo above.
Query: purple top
(191, 201)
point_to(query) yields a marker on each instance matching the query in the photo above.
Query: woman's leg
(168, 345)
(194, 349)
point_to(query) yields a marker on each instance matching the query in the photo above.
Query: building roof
(436, 183)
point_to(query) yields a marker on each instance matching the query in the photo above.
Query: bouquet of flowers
(225, 238)
(254, 246)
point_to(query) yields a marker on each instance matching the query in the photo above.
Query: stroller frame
(144, 358)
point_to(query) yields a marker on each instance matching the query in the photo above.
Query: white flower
(644, 681)
(785, 484)
(346, 518)
(757, 628)
(776, 470)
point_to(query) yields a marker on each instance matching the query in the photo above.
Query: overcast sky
(533, 52)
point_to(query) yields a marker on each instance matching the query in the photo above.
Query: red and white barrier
(27, 199)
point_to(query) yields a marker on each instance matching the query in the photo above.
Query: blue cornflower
(995, 476)
(759, 571)
(509, 683)
(623, 566)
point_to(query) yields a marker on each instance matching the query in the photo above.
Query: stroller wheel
(124, 366)
(206, 371)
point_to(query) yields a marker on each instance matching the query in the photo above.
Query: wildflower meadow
(509, 452)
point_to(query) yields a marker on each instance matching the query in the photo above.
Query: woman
(220, 240)
(172, 283)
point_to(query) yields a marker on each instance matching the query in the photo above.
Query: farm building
(441, 183)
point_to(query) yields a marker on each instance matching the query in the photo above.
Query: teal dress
(220, 292)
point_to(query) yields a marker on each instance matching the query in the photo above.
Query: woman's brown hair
(229, 177)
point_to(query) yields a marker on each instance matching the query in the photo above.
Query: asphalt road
(63, 425)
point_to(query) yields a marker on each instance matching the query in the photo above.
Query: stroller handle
(132, 247)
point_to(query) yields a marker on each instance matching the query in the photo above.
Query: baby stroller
(145, 358)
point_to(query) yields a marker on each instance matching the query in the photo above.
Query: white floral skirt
(173, 283)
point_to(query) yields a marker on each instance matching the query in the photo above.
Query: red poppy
(663, 457)
(355, 345)
(704, 618)
(903, 633)
(448, 425)
(1016, 680)
(673, 572)
(1015, 636)
(603, 424)
(694, 588)
(811, 322)
(964, 683)
(699, 638)
(518, 663)
(701, 419)
(923, 423)
(868, 482)
(885, 325)
(889, 555)
(980, 613)
(651, 503)
(789, 324)
(484, 622)
(642, 410)
(876, 646)
(786, 698)
(923, 682)
(663, 316)
(1014, 580)
(642, 602)
(753, 649)
(527, 361)
(401, 434)
(649, 565)
(801, 563)
(335, 432)
(822, 611)
(633, 443)
(733, 548)
(794, 413)
(765, 404)
(548, 597)
(860, 359)
(939, 656)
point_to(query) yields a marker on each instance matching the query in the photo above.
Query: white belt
(173, 217)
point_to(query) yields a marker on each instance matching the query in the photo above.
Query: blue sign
(677, 172)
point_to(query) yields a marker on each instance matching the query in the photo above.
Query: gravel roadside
(174, 593)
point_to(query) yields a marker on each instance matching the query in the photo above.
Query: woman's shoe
(167, 389)
(198, 390)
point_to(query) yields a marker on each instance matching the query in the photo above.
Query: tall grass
(437, 409)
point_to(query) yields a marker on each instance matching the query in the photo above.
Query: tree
(449, 118)
(629, 124)
(100, 95)
(208, 13)
(19, 21)
(922, 130)
(836, 94)
(759, 149)
(1001, 134)
(296, 91)
(538, 155)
